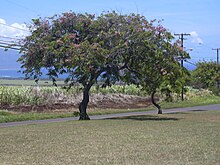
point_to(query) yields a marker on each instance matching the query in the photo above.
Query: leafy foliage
(110, 47)
(157, 67)
(207, 76)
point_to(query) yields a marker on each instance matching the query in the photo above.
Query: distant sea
(9, 67)
(14, 74)
(10, 73)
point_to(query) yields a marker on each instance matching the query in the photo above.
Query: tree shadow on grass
(188, 112)
(197, 110)
(146, 117)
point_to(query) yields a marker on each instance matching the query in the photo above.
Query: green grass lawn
(6, 116)
(182, 138)
(195, 101)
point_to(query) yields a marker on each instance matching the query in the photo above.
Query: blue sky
(198, 17)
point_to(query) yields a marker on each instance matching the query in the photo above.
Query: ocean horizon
(11, 73)
(15, 74)
(9, 67)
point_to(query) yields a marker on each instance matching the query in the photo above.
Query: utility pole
(217, 60)
(181, 37)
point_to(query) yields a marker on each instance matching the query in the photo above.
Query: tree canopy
(110, 47)
(157, 67)
(207, 76)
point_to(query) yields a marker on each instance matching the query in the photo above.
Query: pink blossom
(179, 47)
(76, 45)
(72, 36)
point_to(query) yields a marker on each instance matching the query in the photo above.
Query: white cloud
(14, 30)
(195, 38)
(2, 21)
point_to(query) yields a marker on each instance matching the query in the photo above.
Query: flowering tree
(110, 47)
(157, 67)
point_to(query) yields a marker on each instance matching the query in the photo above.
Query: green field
(22, 82)
(23, 93)
(7, 116)
(182, 138)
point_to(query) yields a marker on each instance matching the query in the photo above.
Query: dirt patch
(119, 101)
(107, 101)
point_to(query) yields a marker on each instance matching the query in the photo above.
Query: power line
(6, 47)
(4, 43)
(9, 38)
(22, 6)
(9, 44)
(9, 41)
(14, 27)
(190, 62)
(25, 9)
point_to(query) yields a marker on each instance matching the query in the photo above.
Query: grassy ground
(194, 101)
(182, 138)
(6, 116)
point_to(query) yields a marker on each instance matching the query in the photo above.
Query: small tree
(86, 48)
(157, 67)
(207, 76)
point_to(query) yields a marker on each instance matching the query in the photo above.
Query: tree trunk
(83, 105)
(155, 104)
